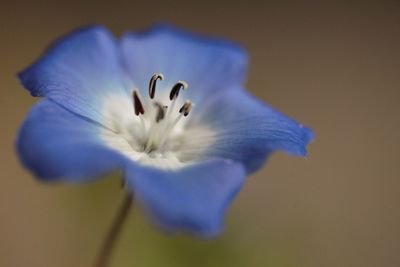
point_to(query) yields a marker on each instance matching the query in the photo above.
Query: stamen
(177, 87)
(174, 95)
(154, 126)
(185, 109)
(153, 82)
(161, 111)
(137, 104)
(156, 132)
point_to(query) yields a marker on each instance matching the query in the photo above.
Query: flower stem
(108, 245)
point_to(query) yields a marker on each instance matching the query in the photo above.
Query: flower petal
(192, 199)
(56, 144)
(206, 64)
(247, 130)
(78, 72)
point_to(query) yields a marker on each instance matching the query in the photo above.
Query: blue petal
(192, 199)
(206, 64)
(78, 72)
(248, 131)
(55, 144)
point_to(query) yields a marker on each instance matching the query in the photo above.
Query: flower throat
(164, 120)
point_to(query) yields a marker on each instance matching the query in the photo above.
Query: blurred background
(332, 65)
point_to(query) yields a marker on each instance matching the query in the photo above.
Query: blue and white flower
(166, 107)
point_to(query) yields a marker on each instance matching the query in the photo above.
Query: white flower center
(156, 130)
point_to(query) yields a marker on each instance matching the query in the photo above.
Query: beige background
(333, 66)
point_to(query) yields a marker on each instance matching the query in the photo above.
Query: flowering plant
(166, 107)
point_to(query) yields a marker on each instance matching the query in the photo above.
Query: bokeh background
(332, 65)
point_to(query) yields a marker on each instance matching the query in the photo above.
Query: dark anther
(153, 82)
(177, 87)
(160, 112)
(185, 109)
(137, 104)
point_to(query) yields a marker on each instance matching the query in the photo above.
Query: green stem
(108, 245)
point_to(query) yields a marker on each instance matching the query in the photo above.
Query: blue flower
(166, 107)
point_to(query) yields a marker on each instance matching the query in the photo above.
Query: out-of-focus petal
(192, 199)
(79, 72)
(206, 64)
(247, 130)
(56, 144)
